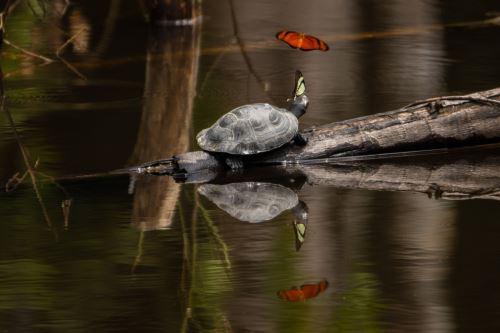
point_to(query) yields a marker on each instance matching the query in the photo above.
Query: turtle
(256, 128)
(257, 202)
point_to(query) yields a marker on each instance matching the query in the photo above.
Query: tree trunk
(173, 12)
(165, 129)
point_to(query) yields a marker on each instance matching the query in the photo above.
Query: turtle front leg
(300, 140)
(234, 162)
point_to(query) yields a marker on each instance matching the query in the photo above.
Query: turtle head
(298, 101)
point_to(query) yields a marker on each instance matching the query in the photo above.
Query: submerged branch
(29, 53)
(64, 61)
(27, 162)
(215, 233)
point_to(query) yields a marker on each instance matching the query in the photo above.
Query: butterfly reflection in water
(305, 292)
(301, 41)
(257, 202)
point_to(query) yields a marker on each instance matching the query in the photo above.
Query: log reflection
(458, 175)
(472, 176)
(171, 74)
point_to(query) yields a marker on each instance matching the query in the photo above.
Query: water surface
(167, 258)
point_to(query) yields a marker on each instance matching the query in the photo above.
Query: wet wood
(439, 123)
(165, 128)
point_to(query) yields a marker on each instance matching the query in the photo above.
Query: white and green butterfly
(300, 84)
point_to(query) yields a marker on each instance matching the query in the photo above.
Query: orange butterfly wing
(302, 41)
(313, 290)
(291, 295)
(305, 292)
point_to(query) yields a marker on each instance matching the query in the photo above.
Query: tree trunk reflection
(171, 75)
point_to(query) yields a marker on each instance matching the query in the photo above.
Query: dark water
(167, 258)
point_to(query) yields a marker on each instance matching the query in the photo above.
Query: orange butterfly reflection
(305, 292)
(301, 41)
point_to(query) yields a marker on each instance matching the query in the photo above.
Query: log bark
(439, 123)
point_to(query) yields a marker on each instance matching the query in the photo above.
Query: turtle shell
(249, 129)
(251, 201)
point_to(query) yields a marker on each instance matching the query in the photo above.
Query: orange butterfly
(301, 41)
(305, 292)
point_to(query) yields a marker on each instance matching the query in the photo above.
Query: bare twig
(241, 45)
(73, 69)
(21, 70)
(140, 251)
(68, 41)
(214, 64)
(29, 53)
(54, 182)
(27, 162)
(14, 181)
(215, 234)
(64, 61)
(66, 205)
(465, 99)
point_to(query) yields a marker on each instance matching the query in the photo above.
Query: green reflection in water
(26, 285)
(206, 275)
(360, 305)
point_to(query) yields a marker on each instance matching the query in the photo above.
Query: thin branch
(68, 41)
(66, 206)
(54, 182)
(140, 251)
(209, 72)
(244, 53)
(64, 61)
(15, 181)
(29, 53)
(21, 70)
(465, 99)
(27, 162)
(215, 234)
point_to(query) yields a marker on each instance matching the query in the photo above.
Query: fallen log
(434, 123)
(442, 122)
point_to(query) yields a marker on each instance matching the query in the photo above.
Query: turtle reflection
(256, 202)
